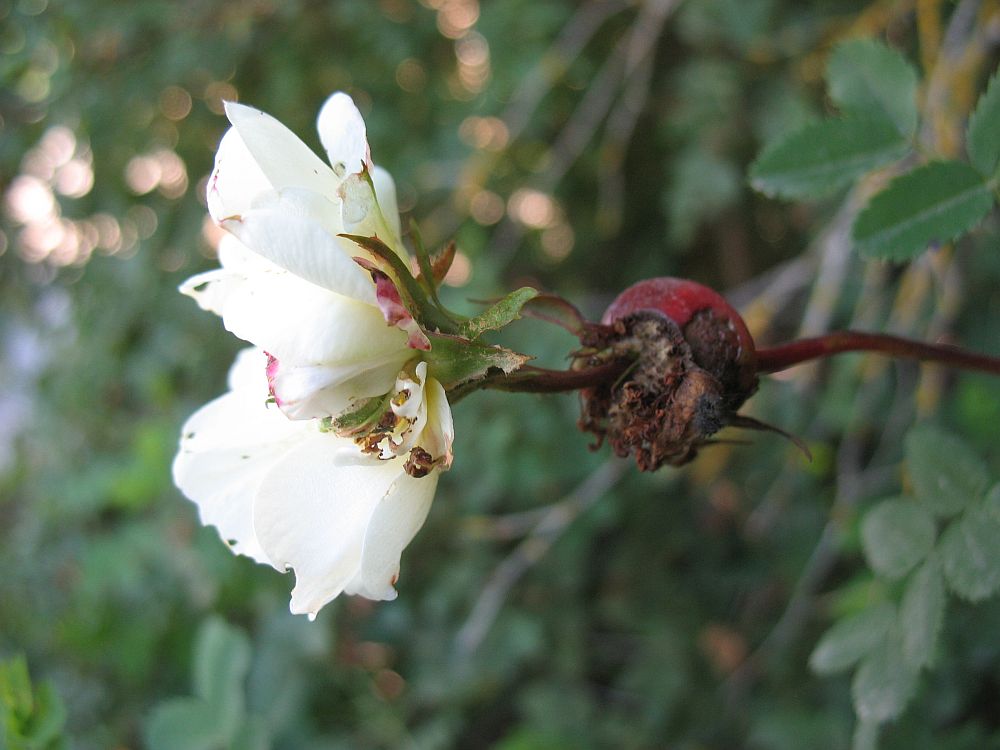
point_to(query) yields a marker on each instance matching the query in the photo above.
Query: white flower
(335, 352)
(288, 494)
(288, 284)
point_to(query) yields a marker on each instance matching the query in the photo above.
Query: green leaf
(896, 535)
(455, 361)
(946, 475)
(884, 683)
(824, 157)
(499, 315)
(222, 659)
(937, 202)
(15, 687)
(970, 555)
(982, 137)
(921, 613)
(185, 724)
(48, 719)
(851, 638)
(868, 78)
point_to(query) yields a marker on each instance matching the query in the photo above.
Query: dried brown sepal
(419, 464)
(683, 387)
(442, 260)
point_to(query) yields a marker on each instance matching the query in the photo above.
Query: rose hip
(693, 366)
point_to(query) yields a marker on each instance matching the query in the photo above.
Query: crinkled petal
(303, 247)
(342, 133)
(227, 448)
(311, 514)
(236, 179)
(284, 159)
(393, 525)
(295, 321)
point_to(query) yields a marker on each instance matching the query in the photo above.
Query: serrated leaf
(851, 638)
(946, 475)
(970, 555)
(500, 314)
(454, 360)
(884, 683)
(185, 724)
(982, 138)
(921, 613)
(221, 662)
(896, 535)
(825, 156)
(937, 202)
(868, 78)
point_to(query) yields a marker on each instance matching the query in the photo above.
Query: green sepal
(426, 278)
(456, 361)
(361, 419)
(554, 309)
(428, 315)
(500, 314)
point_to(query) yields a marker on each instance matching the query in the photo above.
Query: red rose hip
(693, 364)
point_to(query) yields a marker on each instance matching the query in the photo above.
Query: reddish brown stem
(783, 356)
(539, 380)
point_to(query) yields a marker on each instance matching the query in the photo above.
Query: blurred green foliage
(673, 610)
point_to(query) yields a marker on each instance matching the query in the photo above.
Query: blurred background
(555, 598)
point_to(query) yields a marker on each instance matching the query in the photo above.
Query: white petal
(227, 448)
(393, 525)
(324, 390)
(236, 179)
(302, 203)
(342, 133)
(385, 190)
(284, 159)
(440, 430)
(303, 247)
(311, 514)
(296, 321)
(209, 290)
